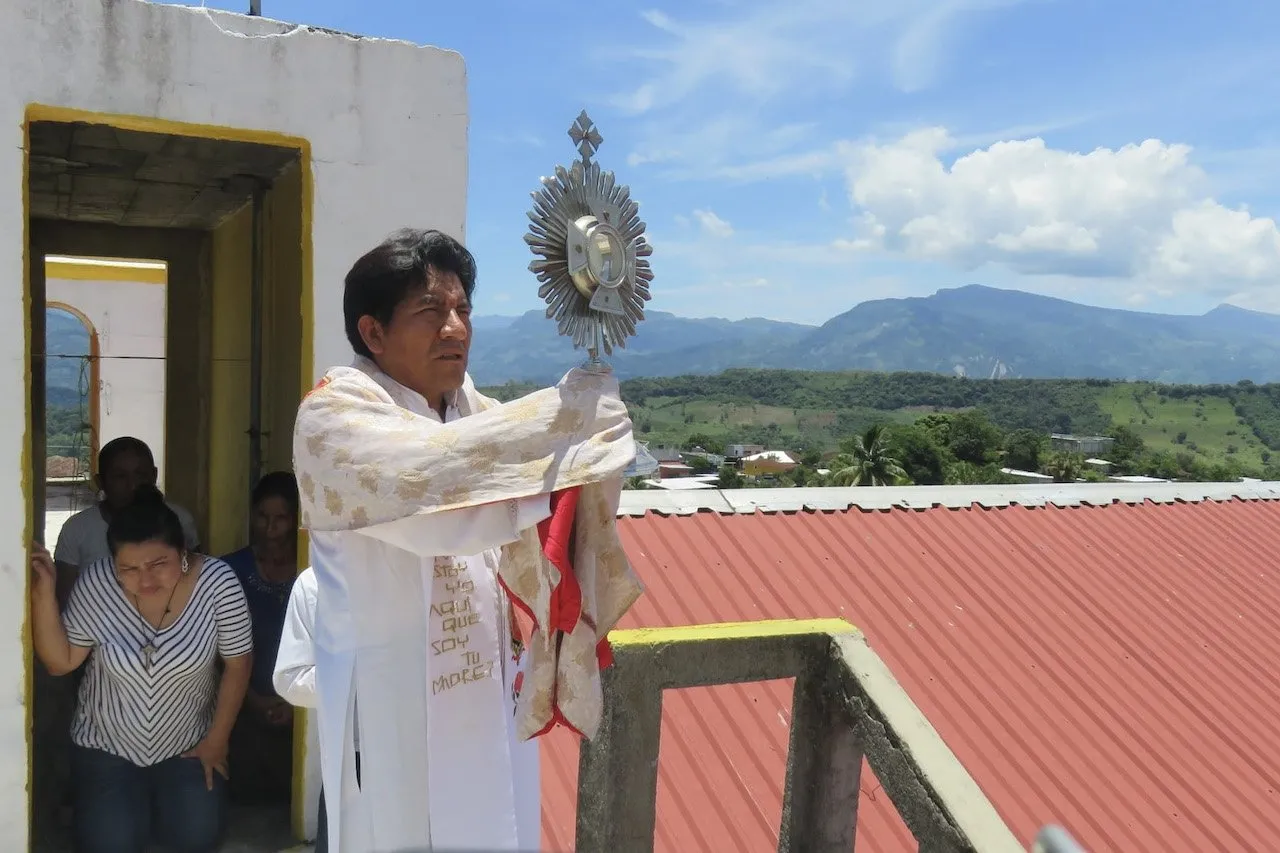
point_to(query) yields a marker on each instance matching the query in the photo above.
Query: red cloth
(555, 532)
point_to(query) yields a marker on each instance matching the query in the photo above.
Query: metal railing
(847, 706)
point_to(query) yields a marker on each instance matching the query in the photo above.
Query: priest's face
(425, 346)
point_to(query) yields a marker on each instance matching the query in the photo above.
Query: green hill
(1208, 425)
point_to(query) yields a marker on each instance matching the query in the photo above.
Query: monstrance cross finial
(585, 136)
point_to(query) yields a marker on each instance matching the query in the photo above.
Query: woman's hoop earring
(186, 566)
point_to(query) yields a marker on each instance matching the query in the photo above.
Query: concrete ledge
(847, 705)
(937, 798)
(729, 653)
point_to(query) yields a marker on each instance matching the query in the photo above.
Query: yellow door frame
(152, 124)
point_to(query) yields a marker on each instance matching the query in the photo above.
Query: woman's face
(273, 523)
(148, 569)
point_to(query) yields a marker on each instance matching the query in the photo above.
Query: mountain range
(975, 331)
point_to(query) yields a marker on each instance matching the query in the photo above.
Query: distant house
(1082, 445)
(712, 459)
(670, 470)
(665, 453)
(685, 484)
(768, 462)
(1026, 476)
(741, 451)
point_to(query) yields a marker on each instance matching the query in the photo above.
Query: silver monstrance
(592, 258)
(592, 255)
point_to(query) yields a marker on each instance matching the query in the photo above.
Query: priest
(436, 515)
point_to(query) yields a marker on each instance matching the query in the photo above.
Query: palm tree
(866, 461)
(1064, 467)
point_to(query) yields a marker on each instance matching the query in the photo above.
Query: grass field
(1205, 425)
(672, 421)
(1214, 425)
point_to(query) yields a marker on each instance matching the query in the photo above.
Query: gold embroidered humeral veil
(362, 459)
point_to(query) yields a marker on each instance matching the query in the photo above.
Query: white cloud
(708, 86)
(712, 225)
(1141, 212)
(758, 50)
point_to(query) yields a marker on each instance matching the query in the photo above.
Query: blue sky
(794, 159)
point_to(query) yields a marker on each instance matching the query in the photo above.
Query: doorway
(105, 329)
(207, 366)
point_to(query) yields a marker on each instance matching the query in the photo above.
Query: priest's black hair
(398, 267)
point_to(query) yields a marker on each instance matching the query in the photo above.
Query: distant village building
(1026, 476)
(1082, 445)
(670, 470)
(768, 462)
(685, 484)
(665, 453)
(741, 451)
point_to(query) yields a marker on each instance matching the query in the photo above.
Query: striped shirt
(149, 716)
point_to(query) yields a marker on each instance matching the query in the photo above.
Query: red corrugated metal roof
(1108, 668)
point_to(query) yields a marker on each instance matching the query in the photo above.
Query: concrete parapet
(847, 706)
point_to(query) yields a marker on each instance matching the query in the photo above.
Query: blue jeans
(120, 807)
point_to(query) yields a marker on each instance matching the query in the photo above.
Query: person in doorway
(423, 500)
(295, 673)
(154, 716)
(125, 465)
(262, 742)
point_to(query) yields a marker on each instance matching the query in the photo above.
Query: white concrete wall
(129, 319)
(387, 123)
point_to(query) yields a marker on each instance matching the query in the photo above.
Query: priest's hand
(212, 754)
(582, 380)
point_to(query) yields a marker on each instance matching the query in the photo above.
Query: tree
(973, 438)
(700, 465)
(730, 477)
(1065, 467)
(866, 461)
(1024, 449)
(937, 425)
(919, 454)
(704, 442)
(801, 476)
(1127, 451)
(964, 474)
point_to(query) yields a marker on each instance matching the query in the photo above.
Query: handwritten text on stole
(457, 614)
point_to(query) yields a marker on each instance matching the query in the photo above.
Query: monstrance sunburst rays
(592, 255)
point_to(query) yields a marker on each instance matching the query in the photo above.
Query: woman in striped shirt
(154, 713)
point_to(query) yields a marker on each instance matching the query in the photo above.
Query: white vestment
(412, 620)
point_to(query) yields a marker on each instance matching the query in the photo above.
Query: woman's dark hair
(147, 519)
(381, 280)
(118, 447)
(277, 484)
